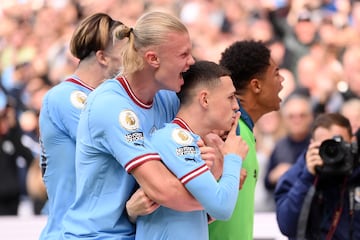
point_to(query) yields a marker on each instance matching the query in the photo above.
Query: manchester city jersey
(177, 147)
(113, 139)
(58, 122)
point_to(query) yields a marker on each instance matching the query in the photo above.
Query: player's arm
(219, 198)
(139, 204)
(163, 187)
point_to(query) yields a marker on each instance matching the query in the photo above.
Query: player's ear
(255, 85)
(100, 57)
(203, 98)
(152, 58)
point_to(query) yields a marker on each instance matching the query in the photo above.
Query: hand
(139, 204)
(278, 171)
(207, 153)
(213, 154)
(313, 158)
(243, 175)
(233, 143)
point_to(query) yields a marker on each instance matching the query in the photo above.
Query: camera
(340, 157)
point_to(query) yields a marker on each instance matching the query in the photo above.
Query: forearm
(164, 188)
(218, 198)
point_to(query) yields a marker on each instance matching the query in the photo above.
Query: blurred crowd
(315, 42)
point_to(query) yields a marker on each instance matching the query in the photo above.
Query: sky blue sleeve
(218, 198)
(63, 112)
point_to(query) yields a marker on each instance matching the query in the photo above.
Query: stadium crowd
(316, 43)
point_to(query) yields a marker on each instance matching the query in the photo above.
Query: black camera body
(340, 158)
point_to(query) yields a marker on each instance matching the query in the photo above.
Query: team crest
(129, 120)
(77, 99)
(182, 136)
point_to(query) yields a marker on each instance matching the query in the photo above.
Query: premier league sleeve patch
(130, 121)
(182, 136)
(187, 150)
(78, 98)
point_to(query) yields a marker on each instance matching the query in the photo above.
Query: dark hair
(245, 60)
(95, 33)
(201, 73)
(327, 120)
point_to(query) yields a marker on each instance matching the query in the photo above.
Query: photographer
(319, 197)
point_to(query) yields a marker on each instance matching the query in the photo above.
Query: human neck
(195, 120)
(142, 86)
(89, 75)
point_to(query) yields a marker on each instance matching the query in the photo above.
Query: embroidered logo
(182, 136)
(129, 120)
(77, 99)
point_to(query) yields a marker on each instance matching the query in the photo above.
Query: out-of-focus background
(316, 44)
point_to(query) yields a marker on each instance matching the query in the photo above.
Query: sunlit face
(222, 105)
(298, 117)
(175, 58)
(353, 114)
(320, 134)
(270, 88)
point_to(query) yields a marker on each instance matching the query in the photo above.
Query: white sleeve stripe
(194, 174)
(140, 160)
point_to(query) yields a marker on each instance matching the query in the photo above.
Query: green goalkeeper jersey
(240, 225)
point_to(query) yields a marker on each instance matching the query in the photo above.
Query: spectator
(297, 116)
(13, 155)
(350, 61)
(268, 130)
(351, 110)
(317, 199)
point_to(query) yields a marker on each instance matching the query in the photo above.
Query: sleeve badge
(129, 120)
(182, 136)
(77, 99)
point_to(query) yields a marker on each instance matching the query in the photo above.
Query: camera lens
(331, 152)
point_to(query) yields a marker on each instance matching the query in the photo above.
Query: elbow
(286, 231)
(286, 226)
(222, 213)
(166, 196)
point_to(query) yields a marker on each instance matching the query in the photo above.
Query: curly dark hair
(245, 60)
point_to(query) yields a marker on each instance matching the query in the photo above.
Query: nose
(191, 60)
(235, 104)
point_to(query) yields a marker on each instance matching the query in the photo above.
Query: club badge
(77, 99)
(129, 120)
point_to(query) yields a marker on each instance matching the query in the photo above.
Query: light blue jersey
(178, 149)
(58, 123)
(113, 139)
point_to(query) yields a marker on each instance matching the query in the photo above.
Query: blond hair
(151, 29)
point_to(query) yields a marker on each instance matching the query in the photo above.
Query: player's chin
(176, 88)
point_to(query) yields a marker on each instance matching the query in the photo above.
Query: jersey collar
(131, 94)
(182, 123)
(75, 79)
(246, 117)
